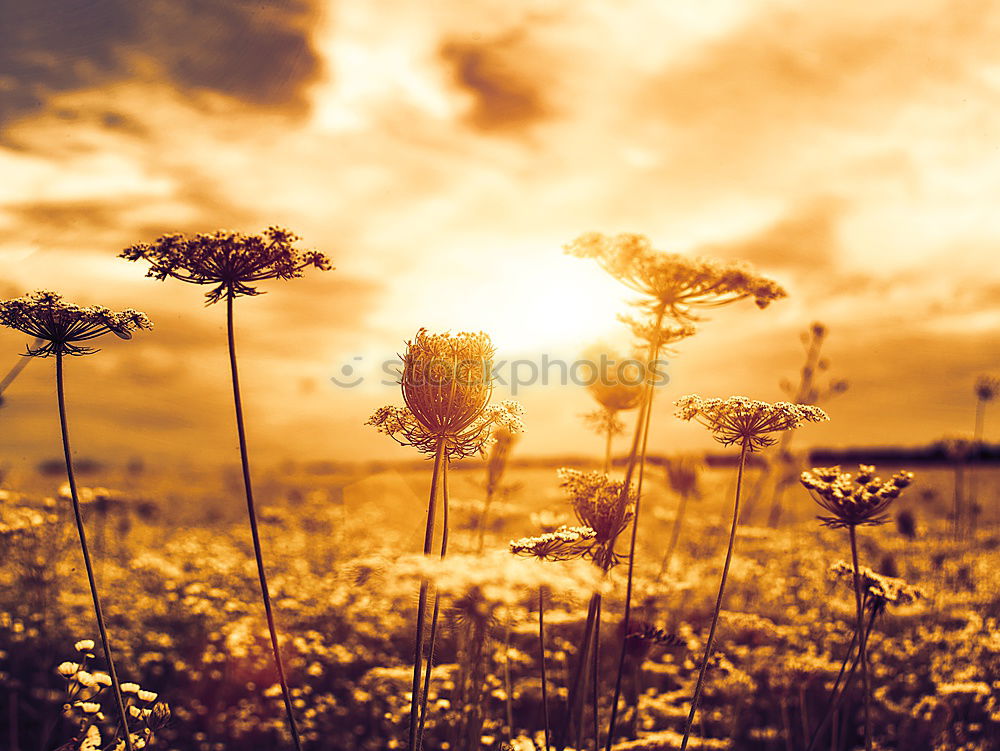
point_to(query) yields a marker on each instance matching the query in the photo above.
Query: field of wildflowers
(648, 603)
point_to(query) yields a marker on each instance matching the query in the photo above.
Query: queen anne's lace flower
(678, 284)
(880, 591)
(599, 504)
(853, 500)
(60, 327)
(987, 388)
(447, 382)
(229, 260)
(564, 544)
(746, 421)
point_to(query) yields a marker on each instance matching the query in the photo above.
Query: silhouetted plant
(854, 501)
(613, 396)
(232, 263)
(62, 329)
(749, 423)
(807, 391)
(447, 383)
(673, 288)
(682, 477)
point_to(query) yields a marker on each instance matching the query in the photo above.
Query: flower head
(880, 591)
(678, 284)
(746, 421)
(987, 388)
(562, 545)
(854, 500)
(643, 636)
(598, 503)
(60, 327)
(447, 382)
(229, 260)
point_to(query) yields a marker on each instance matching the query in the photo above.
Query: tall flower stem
(576, 690)
(862, 640)
(541, 656)
(98, 611)
(418, 649)
(255, 534)
(437, 605)
(14, 372)
(638, 453)
(597, 678)
(607, 448)
(675, 534)
(718, 602)
(836, 698)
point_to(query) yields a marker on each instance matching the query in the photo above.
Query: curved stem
(437, 604)
(71, 477)
(418, 649)
(866, 683)
(718, 602)
(254, 532)
(541, 647)
(640, 440)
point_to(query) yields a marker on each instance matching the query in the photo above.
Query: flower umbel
(746, 421)
(987, 388)
(447, 382)
(880, 591)
(598, 503)
(676, 283)
(854, 500)
(59, 327)
(564, 544)
(229, 260)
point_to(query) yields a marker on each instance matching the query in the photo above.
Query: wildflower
(643, 636)
(68, 669)
(597, 501)
(230, 260)
(102, 679)
(562, 545)
(88, 707)
(854, 500)
(130, 688)
(447, 384)
(146, 695)
(60, 327)
(746, 421)
(880, 591)
(674, 282)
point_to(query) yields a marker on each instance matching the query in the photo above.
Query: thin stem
(675, 533)
(437, 603)
(641, 434)
(607, 447)
(14, 372)
(507, 686)
(597, 677)
(835, 698)
(254, 532)
(541, 649)
(861, 639)
(70, 475)
(718, 602)
(574, 700)
(418, 649)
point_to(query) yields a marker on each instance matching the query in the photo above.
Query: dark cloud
(503, 79)
(258, 52)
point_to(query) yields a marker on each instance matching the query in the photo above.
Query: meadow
(565, 607)
(182, 604)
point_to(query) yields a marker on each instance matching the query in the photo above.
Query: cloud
(260, 53)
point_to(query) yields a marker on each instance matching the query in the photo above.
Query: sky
(443, 153)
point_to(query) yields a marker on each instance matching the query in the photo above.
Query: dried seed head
(599, 504)
(58, 327)
(229, 260)
(746, 421)
(854, 500)
(447, 381)
(675, 283)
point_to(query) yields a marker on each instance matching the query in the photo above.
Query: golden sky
(443, 152)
